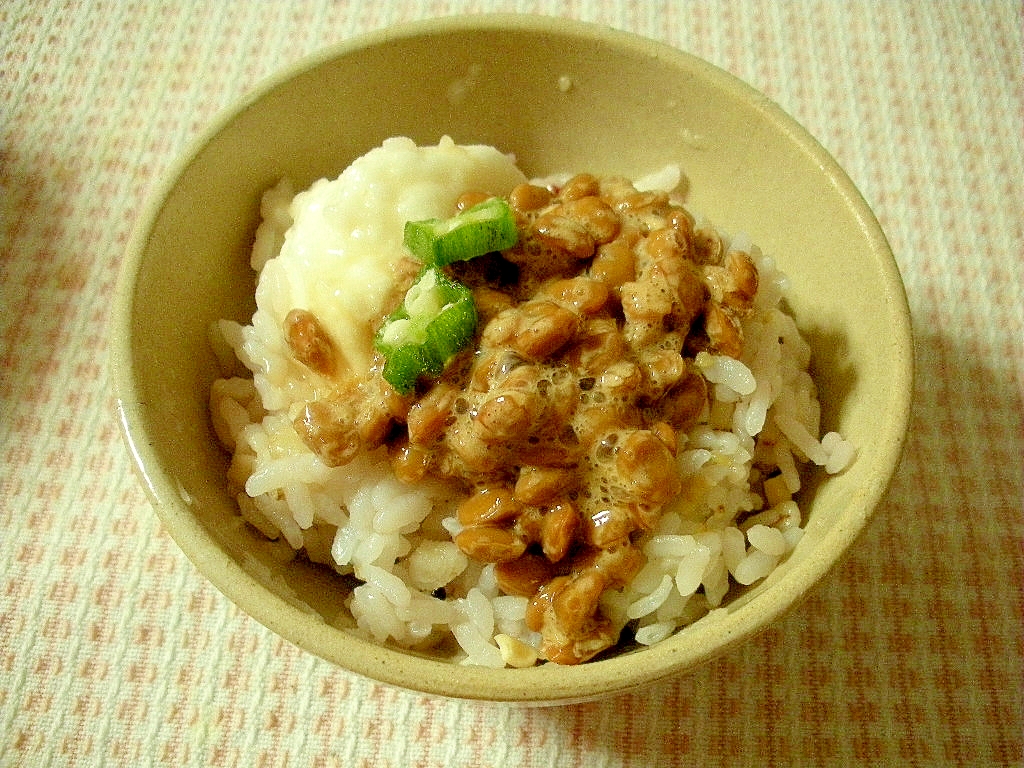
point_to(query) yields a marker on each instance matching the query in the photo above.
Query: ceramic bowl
(560, 96)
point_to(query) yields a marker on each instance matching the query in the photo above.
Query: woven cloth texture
(114, 650)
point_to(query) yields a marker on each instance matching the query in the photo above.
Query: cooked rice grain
(732, 524)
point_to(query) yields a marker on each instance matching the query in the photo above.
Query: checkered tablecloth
(115, 651)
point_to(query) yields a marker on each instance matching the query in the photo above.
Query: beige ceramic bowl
(561, 96)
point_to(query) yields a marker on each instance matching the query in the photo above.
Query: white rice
(396, 539)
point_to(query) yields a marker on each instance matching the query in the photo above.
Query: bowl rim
(543, 684)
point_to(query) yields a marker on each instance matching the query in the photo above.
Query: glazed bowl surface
(562, 96)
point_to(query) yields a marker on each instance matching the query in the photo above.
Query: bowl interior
(562, 97)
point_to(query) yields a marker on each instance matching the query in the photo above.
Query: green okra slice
(484, 228)
(436, 320)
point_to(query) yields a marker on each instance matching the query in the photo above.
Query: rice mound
(332, 249)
